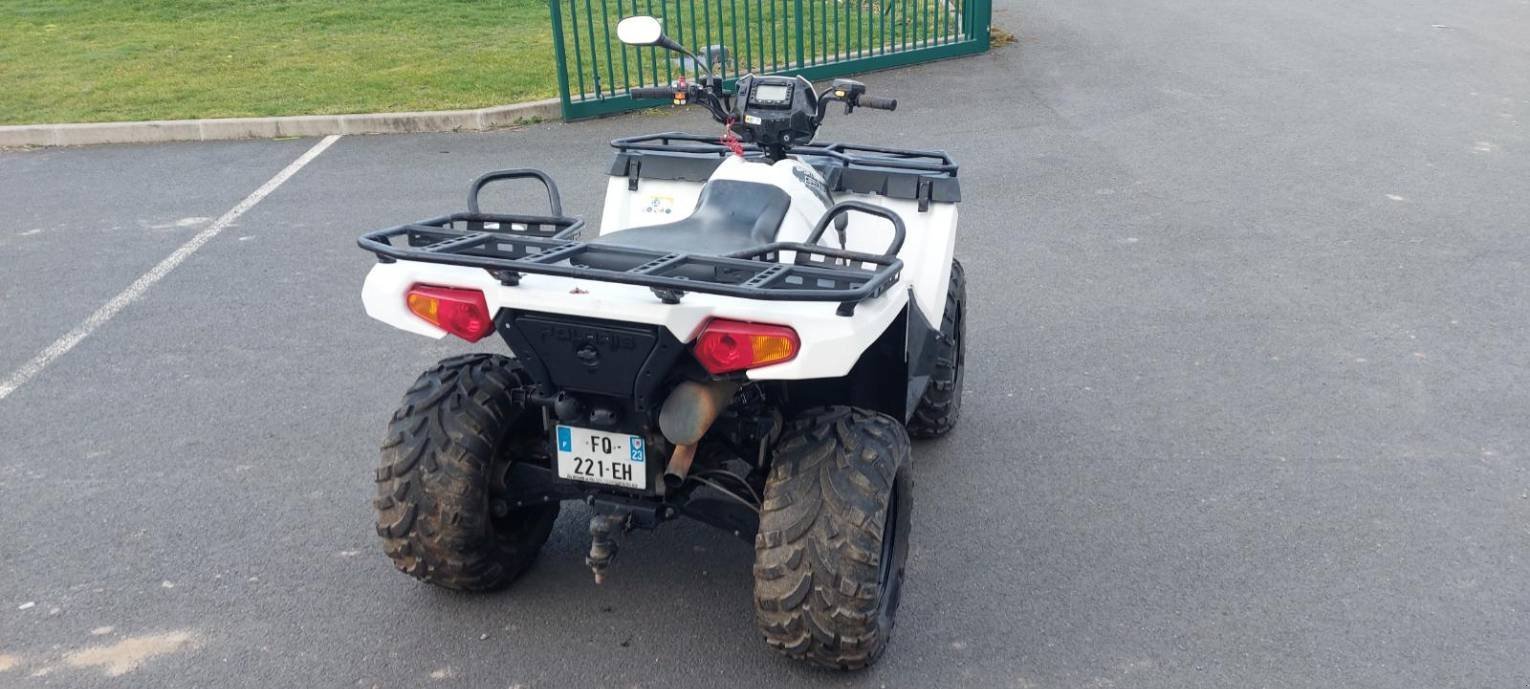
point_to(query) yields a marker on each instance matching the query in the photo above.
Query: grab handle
(553, 199)
(845, 207)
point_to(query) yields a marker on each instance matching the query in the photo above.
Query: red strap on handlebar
(731, 140)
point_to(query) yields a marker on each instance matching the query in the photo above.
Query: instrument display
(771, 95)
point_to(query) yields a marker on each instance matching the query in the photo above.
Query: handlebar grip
(652, 93)
(878, 103)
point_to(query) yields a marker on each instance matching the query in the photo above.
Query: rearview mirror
(640, 30)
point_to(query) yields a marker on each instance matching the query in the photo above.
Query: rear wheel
(941, 404)
(444, 507)
(833, 538)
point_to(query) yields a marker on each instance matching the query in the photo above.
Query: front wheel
(833, 538)
(445, 510)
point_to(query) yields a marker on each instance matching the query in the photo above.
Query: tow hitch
(604, 529)
(613, 518)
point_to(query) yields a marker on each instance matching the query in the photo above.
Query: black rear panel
(627, 361)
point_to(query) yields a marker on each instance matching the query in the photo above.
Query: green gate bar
(818, 39)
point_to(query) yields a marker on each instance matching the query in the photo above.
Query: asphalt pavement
(1246, 404)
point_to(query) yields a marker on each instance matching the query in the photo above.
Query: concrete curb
(272, 127)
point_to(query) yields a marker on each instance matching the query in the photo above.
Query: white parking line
(62, 345)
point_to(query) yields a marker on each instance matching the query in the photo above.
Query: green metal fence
(815, 38)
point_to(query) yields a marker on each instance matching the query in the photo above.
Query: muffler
(684, 419)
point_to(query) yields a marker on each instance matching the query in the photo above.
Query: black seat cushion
(730, 216)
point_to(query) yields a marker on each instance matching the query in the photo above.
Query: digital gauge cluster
(779, 110)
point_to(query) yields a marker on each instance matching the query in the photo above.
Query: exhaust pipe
(679, 465)
(685, 417)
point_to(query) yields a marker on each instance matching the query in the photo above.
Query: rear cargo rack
(510, 246)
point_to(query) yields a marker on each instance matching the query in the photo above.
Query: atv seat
(730, 216)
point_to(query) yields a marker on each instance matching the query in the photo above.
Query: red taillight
(728, 346)
(461, 312)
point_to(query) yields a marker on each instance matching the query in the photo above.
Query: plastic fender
(927, 249)
(799, 180)
(831, 344)
(383, 297)
(655, 202)
(661, 201)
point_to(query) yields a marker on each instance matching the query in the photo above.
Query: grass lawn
(112, 60)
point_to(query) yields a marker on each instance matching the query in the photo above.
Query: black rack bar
(819, 273)
(554, 201)
(658, 264)
(510, 246)
(558, 254)
(467, 240)
(929, 162)
(765, 277)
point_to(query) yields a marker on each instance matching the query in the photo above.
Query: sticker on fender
(615, 459)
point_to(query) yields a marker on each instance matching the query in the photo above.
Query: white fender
(831, 344)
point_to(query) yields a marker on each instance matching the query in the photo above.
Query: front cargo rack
(924, 176)
(510, 246)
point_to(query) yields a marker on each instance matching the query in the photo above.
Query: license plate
(615, 459)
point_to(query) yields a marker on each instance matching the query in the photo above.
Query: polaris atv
(715, 353)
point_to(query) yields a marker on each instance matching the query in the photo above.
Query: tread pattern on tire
(941, 406)
(817, 554)
(434, 480)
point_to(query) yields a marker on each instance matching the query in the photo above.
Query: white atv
(707, 356)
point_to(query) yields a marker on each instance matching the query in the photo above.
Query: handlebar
(772, 131)
(707, 93)
(652, 92)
